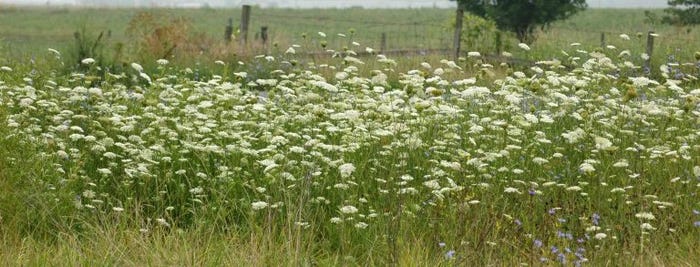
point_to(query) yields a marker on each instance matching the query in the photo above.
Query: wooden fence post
(245, 21)
(458, 29)
(263, 36)
(650, 50)
(602, 39)
(382, 44)
(499, 42)
(229, 31)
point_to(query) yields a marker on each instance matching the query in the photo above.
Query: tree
(522, 17)
(682, 12)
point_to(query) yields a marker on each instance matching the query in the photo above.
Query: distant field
(588, 26)
(29, 31)
(26, 30)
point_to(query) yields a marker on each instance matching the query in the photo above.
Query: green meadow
(159, 144)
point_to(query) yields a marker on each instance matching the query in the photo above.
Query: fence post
(263, 36)
(245, 20)
(499, 42)
(458, 29)
(229, 31)
(602, 39)
(415, 32)
(382, 44)
(650, 50)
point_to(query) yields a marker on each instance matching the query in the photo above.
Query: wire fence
(436, 35)
(416, 34)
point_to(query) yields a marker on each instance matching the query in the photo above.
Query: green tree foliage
(479, 34)
(522, 17)
(682, 12)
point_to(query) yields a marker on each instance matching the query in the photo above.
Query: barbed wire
(428, 22)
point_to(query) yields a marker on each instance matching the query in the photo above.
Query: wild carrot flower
(348, 209)
(258, 205)
(346, 170)
(88, 61)
(137, 67)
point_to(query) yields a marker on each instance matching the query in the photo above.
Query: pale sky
(318, 3)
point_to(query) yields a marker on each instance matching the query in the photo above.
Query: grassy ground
(128, 248)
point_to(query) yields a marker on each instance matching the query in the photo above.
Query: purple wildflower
(595, 218)
(450, 254)
(561, 234)
(538, 243)
(561, 258)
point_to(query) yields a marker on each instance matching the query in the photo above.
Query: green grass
(129, 248)
(586, 28)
